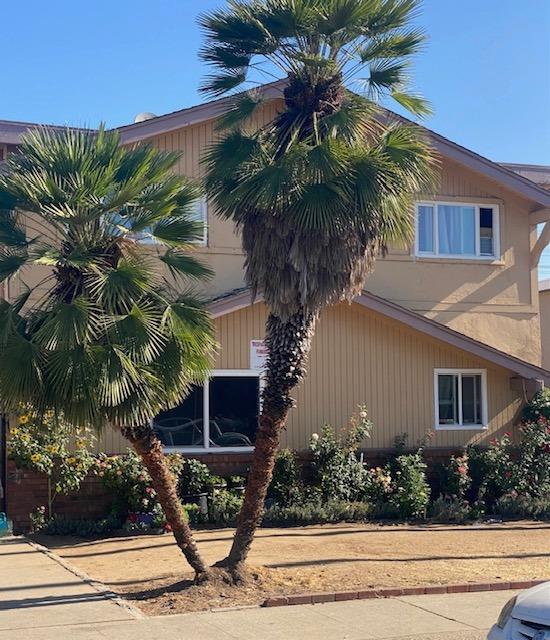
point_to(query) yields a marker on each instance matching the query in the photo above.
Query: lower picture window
(460, 399)
(223, 413)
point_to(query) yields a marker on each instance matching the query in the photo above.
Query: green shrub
(491, 471)
(285, 486)
(448, 509)
(129, 483)
(224, 507)
(410, 493)
(531, 467)
(513, 505)
(454, 477)
(84, 528)
(194, 514)
(194, 478)
(332, 511)
(378, 485)
(538, 407)
(336, 468)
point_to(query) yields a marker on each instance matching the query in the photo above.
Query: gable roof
(544, 285)
(10, 133)
(241, 298)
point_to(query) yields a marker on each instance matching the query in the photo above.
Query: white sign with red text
(258, 355)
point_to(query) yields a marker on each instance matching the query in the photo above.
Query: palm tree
(105, 337)
(321, 190)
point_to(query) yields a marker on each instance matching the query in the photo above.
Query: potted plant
(236, 484)
(217, 483)
(193, 483)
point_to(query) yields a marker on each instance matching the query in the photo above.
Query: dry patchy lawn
(150, 570)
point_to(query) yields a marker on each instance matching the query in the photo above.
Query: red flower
(168, 527)
(508, 434)
(508, 474)
(461, 469)
(149, 490)
(132, 517)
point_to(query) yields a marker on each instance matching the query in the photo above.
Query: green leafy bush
(378, 485)
(531, 466)
(194, 478)
(332, 511)
(538, 407)
(45, 443)
(224, 507)
(129, 484)
(336, 468)
(454, 477)
(285, 486)
(450, 509)
(195, 514)
(514, 505)
(410, 493)
(491, 471)
(84, 528)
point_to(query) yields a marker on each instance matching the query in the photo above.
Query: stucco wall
(360, 356)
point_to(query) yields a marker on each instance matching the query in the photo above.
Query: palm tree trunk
(288, 342)
(149, 447)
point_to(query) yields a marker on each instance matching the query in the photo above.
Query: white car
(525, 617)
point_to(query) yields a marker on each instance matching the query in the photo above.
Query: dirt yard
(150, 570)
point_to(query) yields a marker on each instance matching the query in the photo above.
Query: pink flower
(507, 434)
(119, 473)
(508, 474)
(141, 478)
(101, 473)
(461, 469)
(168, 527)
(149, 490)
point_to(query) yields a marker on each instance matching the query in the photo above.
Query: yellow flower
(80, 444)
(71, 460)
(52, 448)
(23, 419)
(14, 431)
(25, 437)
(36, 457)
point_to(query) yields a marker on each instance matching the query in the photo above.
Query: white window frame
(484, 406)
(206, 449)
(460, 256)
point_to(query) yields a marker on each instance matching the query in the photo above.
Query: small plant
(236, 482)
(286, 482)
(450, 509)
(318, 513)
(129, 483)
(538, 407)
(195, 514)
(215, 483)
(378, 485)
(224, 507)
(62, 526)
(514, 505)
(454, 477)
(410, 493)
(45, 443)
(336, 468)
(38, 519)
(194, 478)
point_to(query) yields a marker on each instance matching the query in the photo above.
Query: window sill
(493, 262)
(461, 427)
(209, 450)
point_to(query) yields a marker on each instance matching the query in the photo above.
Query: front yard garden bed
(149, 570)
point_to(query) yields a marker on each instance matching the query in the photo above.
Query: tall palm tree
(321, 190)
(105, 337)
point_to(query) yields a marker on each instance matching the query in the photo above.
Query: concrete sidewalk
(43, 600)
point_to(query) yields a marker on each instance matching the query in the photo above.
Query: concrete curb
(95, 584)
(366, 594)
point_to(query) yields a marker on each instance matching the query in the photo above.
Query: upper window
(456, 230)
(460, 398)
(221, 414)
(198, 214)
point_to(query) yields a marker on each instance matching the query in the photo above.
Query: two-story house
(445, 338)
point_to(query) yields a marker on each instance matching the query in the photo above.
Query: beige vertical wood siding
(360, 356)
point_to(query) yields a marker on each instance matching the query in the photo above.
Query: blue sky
(486, 68)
